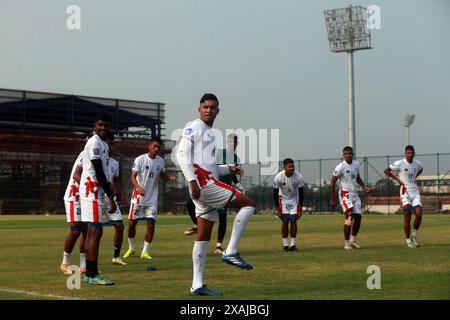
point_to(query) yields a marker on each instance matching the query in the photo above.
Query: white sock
(352, 238)
(346, 242)
(82, 260)
(146, 244)
(408, 240)
(66, 258)
(293, 242)
(285, 242)
(414, 233)
(131, 243)
(239, 225)
(199, 261)
(218, 244)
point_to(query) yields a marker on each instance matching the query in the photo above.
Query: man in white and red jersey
(288, 197)
(115, 218)
(93, 187)
(73, 213)
(405, 172)
(197, 159)
(147, 169)
(347, 172)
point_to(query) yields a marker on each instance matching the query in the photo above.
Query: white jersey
(90, 187)
(114, 169)
(347, 174)
(148, 171)
(71, 193)
(197, 154)
(407, 172)
(288, 186)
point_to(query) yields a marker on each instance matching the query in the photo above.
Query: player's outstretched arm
(134, 182)
(276, 201)
(366, 189)
(165, 177)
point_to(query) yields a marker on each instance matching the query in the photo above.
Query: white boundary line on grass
(30, 293)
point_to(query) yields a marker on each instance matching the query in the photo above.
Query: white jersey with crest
(347, 174)
(72, 186)
(204, 150)
(95, 148)
(407, 172)
(288, 186)
(148, 171)
(114, 169)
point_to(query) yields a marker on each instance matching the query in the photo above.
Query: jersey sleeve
(80, 160)
(276, 182)
(137, 166)
(419, 165)
(395, 166)
(93, 149)
(163, 165)
(117, 172)
(191, 132)
(301, 181)
(338, 171)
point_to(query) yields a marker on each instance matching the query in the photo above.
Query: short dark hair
(347, 148)
(103, 117)
(287, 161)
(209, 96)
(409, 147)
(155, 139)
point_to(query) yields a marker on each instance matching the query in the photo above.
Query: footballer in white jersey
(72, 194)
(147, 170)
(347, 175)
(93, 187)
(73, 214)
(196, 158)
(405, 172)
(288, 197)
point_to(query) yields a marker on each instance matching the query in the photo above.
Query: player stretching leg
(347, 172)
(93, 187)
(405, 173)
(146, 172)
(196, 157)
(288, 198)
(73, 213)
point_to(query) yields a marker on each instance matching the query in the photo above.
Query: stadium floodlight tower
(409, 120)
(348, 31)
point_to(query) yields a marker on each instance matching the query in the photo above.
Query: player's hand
(140, 190)
(236, 170)
(172, 179)
(367, 189)
(112, 204)
(333, 204)
(279, 213)
(195, 190)
(299, 212)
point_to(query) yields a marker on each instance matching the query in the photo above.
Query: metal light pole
(348, 31)
(409, 120)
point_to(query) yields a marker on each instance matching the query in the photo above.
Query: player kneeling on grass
(288, 198)
(405, 173)
(146, 172)
(115, 218)
(73, 213)
(197, 159)
(347, 172)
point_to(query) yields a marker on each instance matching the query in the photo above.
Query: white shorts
(410, 198)
(93, 211)
(142, 212)
(288, 207)
(73, 211)
(350, 200)
(214, 196)
(115, 216)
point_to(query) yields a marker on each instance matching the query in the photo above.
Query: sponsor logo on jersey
(188, 131)
(158, 167)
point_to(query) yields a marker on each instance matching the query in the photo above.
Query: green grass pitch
(31, 252)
